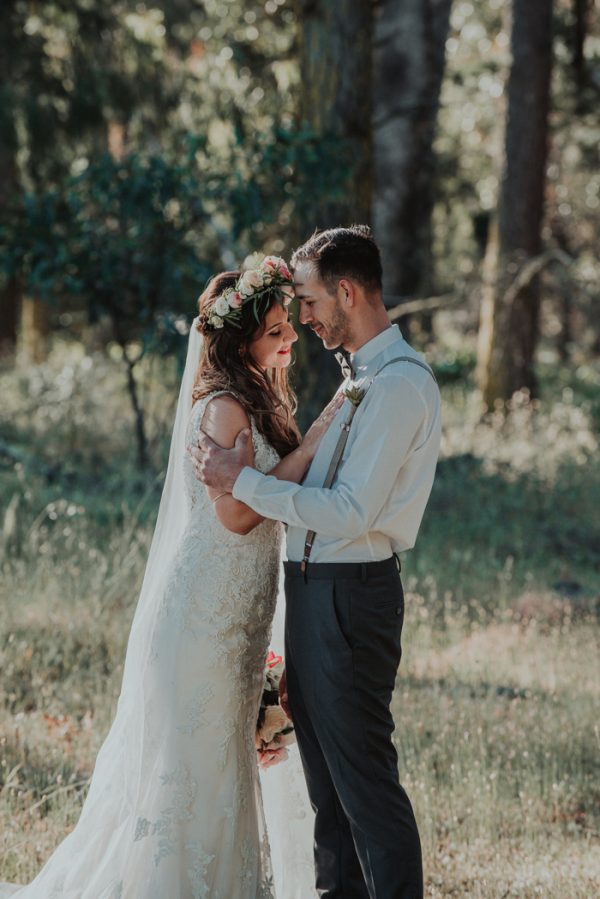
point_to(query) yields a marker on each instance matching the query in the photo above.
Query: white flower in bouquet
(275, 722)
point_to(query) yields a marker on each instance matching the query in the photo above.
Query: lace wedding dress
(174, 808)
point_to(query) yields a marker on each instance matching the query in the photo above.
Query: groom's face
(322, 311)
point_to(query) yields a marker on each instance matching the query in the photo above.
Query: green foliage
(137, 239)
(69, 69)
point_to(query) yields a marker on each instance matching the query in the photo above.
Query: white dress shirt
(376, 502)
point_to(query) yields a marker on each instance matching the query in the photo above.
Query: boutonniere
(355, 395)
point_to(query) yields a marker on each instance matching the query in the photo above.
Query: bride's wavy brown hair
(224, 366)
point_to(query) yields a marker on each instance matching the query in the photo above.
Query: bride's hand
(314, 435)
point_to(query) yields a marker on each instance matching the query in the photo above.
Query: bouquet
(274, 730)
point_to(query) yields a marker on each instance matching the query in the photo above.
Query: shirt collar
(375, 346)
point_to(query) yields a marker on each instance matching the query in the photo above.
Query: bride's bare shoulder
(223, 419)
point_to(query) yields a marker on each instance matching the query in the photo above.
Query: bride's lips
(284, 352)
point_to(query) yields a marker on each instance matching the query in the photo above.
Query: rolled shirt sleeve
(392, 423)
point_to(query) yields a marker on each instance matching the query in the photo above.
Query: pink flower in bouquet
(271, 755)
(274, 730)
(272, 660)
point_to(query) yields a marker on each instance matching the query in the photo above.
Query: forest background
(145, 146)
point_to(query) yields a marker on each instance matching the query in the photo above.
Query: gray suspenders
(341, 444)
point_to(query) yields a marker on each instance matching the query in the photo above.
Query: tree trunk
(410, 39)
(564, 338)
(35, 330)
(581, 13)
(509, 317)
(335, 38)
(9, 288)
(116, 139)
(336, 98)
(138, 411)
(9, 317)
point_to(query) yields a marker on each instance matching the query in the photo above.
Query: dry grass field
(498, 696)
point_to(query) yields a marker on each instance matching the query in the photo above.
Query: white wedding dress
(174, 808)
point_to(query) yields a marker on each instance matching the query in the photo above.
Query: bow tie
(346, 366)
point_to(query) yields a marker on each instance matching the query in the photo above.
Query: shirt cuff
(246, 483)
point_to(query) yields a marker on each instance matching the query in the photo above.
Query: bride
(174, 808)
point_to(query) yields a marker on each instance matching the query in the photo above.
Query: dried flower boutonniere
(355, 395)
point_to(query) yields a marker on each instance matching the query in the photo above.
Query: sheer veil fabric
(88, 862)
(289, 815)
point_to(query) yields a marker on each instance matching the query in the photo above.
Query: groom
(344, 598)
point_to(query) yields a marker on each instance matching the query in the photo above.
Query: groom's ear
(347, 292)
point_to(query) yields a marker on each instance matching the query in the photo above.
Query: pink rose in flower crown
(276, 265)
(235, 299)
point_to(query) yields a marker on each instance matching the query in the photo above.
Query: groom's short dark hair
(343, 253)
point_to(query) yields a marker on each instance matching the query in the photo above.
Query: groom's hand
(218, 467)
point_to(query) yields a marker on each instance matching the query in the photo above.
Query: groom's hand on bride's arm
(218, 467)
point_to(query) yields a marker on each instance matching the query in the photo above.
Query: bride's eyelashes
(279, 332)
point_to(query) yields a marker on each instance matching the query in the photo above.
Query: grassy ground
(498, 694)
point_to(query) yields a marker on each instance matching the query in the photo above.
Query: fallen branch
(532, 268)
(411, 307)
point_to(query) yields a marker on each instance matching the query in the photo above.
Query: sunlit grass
(500, 751)
(499, 688)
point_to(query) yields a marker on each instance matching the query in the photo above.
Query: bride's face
(273, 348)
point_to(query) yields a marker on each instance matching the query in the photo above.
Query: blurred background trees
(144, 146)
(511, 298)
(409, 68)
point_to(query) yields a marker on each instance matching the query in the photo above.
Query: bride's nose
(291, 334)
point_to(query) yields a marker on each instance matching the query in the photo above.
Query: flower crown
(271, 280)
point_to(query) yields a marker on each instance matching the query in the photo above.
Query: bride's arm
(223, 420)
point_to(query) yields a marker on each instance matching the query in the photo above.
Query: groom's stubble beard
(338, 331)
